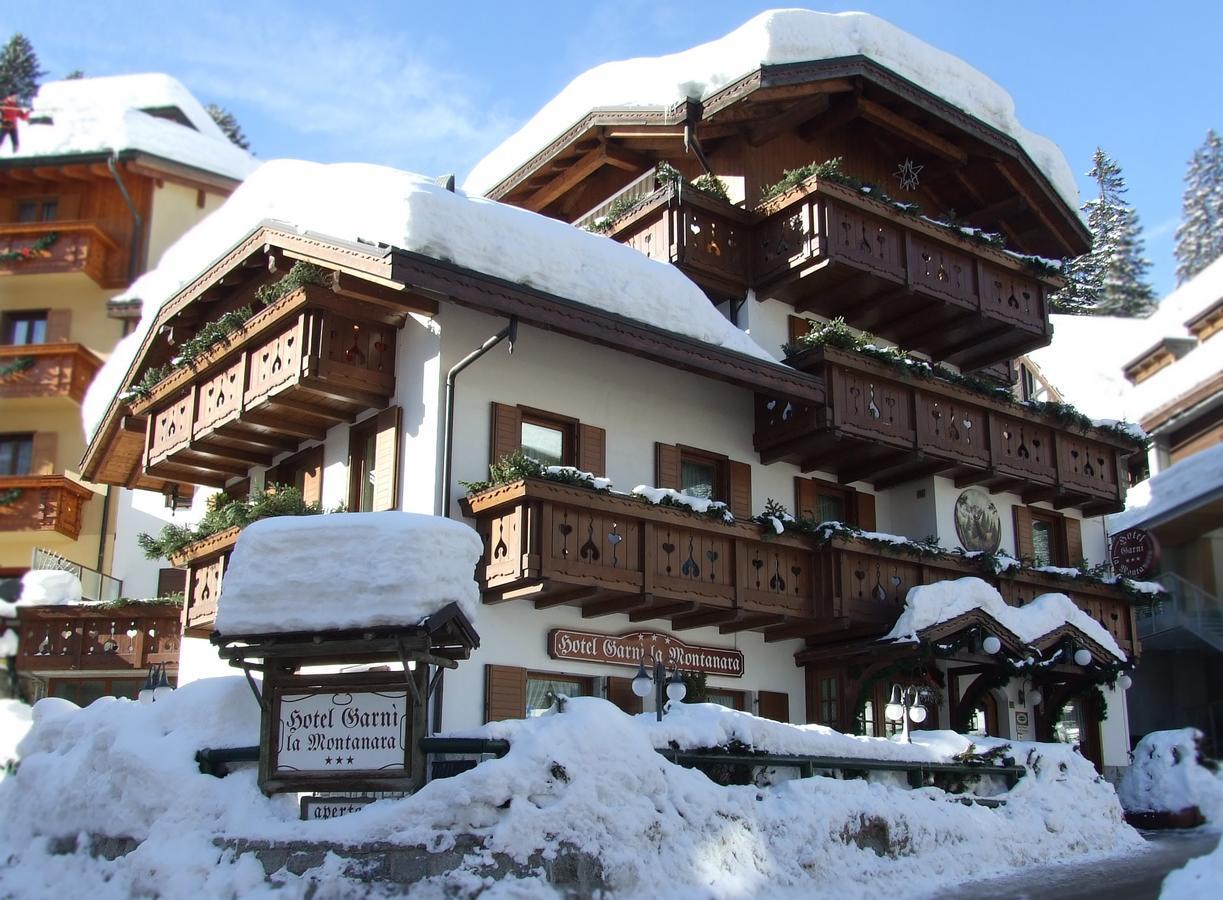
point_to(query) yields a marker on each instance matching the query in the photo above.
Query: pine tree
(19, 71)
(225, 119)
(1199, 239)
(1111, 278)
(74, 75)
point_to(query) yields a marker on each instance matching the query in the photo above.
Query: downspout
(133, 262)
(102, 536)
(509, 331)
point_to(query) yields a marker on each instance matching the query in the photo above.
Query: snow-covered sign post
(306, 597)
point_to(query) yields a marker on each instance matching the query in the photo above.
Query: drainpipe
(510, 331)
(105, 523)
(133, 262)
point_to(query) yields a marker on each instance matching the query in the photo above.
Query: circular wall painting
(977, 523)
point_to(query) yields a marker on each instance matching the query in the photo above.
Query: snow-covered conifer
(19, 71)
(1199, 239)
(225, 119)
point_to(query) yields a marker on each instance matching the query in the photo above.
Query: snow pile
(598, 482)
(588, 778)
(15, 720)
(1187, 483)
(349, 570)
(1167, 776)
(353, 201)
(671, 497)
(49, 587)
(772, 38)
(107, 115)
(932, 604)
(8, 643)
(1201, 879)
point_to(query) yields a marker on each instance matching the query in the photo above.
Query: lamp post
(905, 706)
(156, 686)
(665, 688)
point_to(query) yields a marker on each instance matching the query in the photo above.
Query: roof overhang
(136, 161)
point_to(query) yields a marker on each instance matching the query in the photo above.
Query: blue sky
(430, 87)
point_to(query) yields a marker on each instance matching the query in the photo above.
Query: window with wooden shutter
(864, 510)
(592, 450)
(773, 705)
(825, 501)
(17, 454)
(1073, 529)
(1023, 532)
(171, 581)
(1047, 538)
(303, 471)
(44, 447)
(797, 326)
(24, 327)
(666, 466)
(740, 495)
(505, 693)
(548, 437)
(507, 431)
(59, 326)
(699, 473)
(373, 463)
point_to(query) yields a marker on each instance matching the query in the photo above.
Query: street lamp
(156, 685)
(665, 688)
(904, 707)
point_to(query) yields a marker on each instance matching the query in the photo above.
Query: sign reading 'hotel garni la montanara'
(644, 646)
(338, 731)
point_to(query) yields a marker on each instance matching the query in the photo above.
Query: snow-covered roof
(771, 38)
(1184, 485)
(88, 116)
(928, 605)
(347, 570)
(352, 201)
(1088, 353)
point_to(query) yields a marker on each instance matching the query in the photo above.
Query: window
(731, 699)
(1044, 541)
(1047, 538)
(303, 471)
(83, 691)
(828, 502)
(702, 475)
(544, 687)
(373, 464)
(829, 701)
(866, 719)
(38, 209)
(553, 439)
(16, 454)
(362, 449)
(28, 327)
(547, 438)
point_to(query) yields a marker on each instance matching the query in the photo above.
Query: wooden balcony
(311, 361)
(79, 246)
(42, 503)
(82, 638)
(47, 370)
(205, 562)
(834, 251)
(707, 239)
(606, 554)
(880, 427)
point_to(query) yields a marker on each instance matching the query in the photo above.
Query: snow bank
(353, 201)
(347, 570)
(1167, 776)
(588, 778)
(105, 115)
(1201, 879)
(932, 604)
(1188, 482)
(8, 643)
(771, 38)
(15, 720)
(49, 587)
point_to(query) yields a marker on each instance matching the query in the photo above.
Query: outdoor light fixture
(905, 706)
(1126, 682)
(156, 685)
(1029, 693)
(1082, 657)
(665, 689)
(991, 644)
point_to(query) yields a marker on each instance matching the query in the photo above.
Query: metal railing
(1183, 605)
(94, 585)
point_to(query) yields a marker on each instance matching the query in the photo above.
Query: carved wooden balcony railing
(837, 252)
(47, 370)
(42, 503)
(205, 562)
(308, 362)
(79, 246)
(84, 638)
(883, 428)
(606, 554)
(704, 237)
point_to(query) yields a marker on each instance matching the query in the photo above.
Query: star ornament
(907, 175)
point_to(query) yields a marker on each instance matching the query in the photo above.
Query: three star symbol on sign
(339, 760)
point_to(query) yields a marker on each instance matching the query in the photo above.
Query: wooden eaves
(137, 162)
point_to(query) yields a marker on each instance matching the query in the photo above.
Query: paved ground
(1134, 877)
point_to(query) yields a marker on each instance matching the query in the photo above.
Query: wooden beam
(793, 117)
(972, 478)
(615, 604)
(581, 169)
(1037, 494)
(347, 285)
(880, 115)
(839, 113)
(1022, 190)
(547, 601)
(703, 617)
(661, 610)
(901, 475)
(623, 158)
(748, 623)
(866, 470)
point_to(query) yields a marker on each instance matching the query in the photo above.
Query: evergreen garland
(39, 246)
(517, 466)
(11, 496)
(665, 175)
(19, 364)
(1199, 239)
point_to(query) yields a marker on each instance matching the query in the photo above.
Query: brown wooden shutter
(310, 468)
(1074, 541)
(666, 466)
(797, 327)
(505, 693)
(592, 449)
(59, 326)
(171, 581)
(507, 431)
(740, 477)
(805, 498)
(386, 460)
(864, 511)
(42, 455)
(69, 206)
(1023, 533)
(620, 693)
(773, 705)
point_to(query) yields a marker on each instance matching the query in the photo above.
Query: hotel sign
(1135, 553)
(644, 647)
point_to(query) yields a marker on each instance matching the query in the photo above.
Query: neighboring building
(111, 171)
(626, 368)
(1166, 374)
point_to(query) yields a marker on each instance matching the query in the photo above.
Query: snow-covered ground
(588, 777)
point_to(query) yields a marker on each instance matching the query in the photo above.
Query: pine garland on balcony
(666, 175)
(39, 246)
(174, 599)
(838, 335)
(11, 496)
(517, 466)
(19, 364)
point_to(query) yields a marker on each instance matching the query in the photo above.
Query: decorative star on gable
(907, 175)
